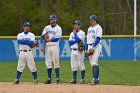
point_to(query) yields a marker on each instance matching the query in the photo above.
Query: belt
(25, 50)
(90, 44)
(74, 49)
(93, 43)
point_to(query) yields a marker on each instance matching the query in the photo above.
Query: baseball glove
(34, 45)
(89, 52)
(46, 36)
(80, 46)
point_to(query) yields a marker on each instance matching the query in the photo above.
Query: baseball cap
(53, 16)
(93, 17)
(26, 24)
(78, 22)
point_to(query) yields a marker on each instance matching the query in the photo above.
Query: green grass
(111, 72)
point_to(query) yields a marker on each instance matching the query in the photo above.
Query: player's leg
(20, 67)
(94, 64)
(48, 62)
(74, 66)
(81, 66)
(32, 66)
(55, 57)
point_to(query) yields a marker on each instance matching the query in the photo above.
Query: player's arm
(54, 39)
(29, 43)
(32, 43)
(98, 38)
(41, 43)
(21, 40)
(42, 39)
(57, 37)
(25, 42)
(71, 41)
(77, 39)
(43, 35)
(31, 40)
(96, 41)
(86, 46)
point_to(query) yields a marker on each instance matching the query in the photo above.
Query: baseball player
(54, 32)
(94, 35)
(77, 57)
(26, 40)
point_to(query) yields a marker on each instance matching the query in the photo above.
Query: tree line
(115, 16)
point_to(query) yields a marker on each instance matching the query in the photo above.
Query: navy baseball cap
(53, 17)
(93, 17)
(26, 24)
(78, 22)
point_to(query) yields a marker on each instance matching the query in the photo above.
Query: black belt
(74, 49)
(93, 43)
(90, 44)
(25, 50)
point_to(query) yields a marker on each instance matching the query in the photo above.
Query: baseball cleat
(73, 82)
(95, 82)
(35, 81)
(16, 81)
(48, 81)
(58, 81)
(82, 81)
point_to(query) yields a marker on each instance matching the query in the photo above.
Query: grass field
(111, 72)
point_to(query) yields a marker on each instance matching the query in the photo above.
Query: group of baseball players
(26, 41)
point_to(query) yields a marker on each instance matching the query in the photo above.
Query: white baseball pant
(94, 58)
(77, 60)
(52, 55)
(26, 57)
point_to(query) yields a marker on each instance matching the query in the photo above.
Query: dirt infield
(8, 87)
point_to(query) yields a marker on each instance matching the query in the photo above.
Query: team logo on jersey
(51, 32)
(91, 31)
(26, 38)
